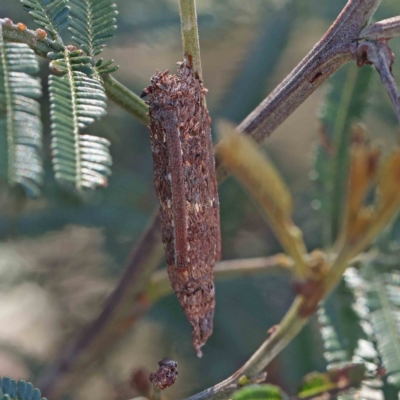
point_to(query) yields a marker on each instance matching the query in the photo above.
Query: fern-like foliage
(363, 351)
(384, 305)
(378, 306)
(21, 390)
(334, 352)
(52, 15)
(20, 124)
(77, 100)
(93, 22)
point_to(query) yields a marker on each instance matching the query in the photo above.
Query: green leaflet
(344, 105)
(20, 123)
(93, 22)
(80, 161)
(262, 392)
(21, 390)
(52, 15)
(332, 382)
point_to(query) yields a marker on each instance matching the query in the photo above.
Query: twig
(289, 327)
(41, 46)
(386, 29)
(126, 99)
(381, 56)
(121, 309)
(159, 285)
(190, 36)
(156, 394)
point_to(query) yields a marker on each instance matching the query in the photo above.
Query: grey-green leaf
(20, 123)
(11, 390)
(80, 161)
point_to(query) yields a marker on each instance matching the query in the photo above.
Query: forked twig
(336, 48)
(386, 29)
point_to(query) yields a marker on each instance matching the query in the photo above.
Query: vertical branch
(190, 36)
(124, 306)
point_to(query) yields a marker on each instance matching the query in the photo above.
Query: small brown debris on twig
(166, 375)
(272, 330)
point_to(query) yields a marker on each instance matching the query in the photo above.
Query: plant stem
(335, 49)
(159, 285)
(380, 55)
(289, 327)
(386, 29)
(190, 36)
(126, 99)
(124, 305)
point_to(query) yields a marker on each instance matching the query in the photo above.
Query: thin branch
(190, 36)
(381, 56)
(289, 327)
(386, 29)
(126, 99)
(159, 285)
(124, 305)
(41, 46)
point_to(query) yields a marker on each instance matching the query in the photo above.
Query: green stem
(159, 285)
(126, 99)
(115, 91)
(190, 36)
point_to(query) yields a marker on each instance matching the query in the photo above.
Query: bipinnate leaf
(81, 161)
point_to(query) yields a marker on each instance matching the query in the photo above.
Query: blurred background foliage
(59, 258)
